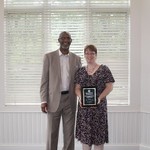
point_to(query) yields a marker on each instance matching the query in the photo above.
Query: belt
(64, 92)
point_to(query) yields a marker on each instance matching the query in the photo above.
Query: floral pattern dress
(92, 123)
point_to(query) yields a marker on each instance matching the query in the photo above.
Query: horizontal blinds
(110, 32)
(32, 28)
(24, 48)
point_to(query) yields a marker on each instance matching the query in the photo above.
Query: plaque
(88, 97)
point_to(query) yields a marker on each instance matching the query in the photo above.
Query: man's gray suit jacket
(51, 78)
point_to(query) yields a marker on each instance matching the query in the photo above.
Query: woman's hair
(91, 48)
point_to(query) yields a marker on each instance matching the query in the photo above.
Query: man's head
(65, 41)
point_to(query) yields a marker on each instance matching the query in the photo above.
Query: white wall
(145, 73)
(145, 56)
(27, 131)
(128, 126)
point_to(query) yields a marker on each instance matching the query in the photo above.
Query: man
(58, 93)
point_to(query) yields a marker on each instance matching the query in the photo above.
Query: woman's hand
(100, 100)
(107, 90)
(79, 100)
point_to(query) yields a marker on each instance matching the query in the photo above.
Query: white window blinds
(32, 27)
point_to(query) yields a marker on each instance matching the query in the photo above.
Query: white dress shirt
(64, 66)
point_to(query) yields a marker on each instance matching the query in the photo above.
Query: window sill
(36, 108)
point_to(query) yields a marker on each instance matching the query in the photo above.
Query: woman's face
(90, 56)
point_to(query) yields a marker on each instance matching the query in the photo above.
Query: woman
(92, 125)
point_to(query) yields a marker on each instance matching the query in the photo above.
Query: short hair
(91, 48)
(64, 32)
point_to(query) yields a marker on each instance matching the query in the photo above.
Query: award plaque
(88, 97)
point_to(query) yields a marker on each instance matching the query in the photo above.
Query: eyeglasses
(90, 54)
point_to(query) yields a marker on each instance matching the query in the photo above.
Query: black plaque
(89, 98)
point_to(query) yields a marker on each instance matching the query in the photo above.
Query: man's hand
(44, 107)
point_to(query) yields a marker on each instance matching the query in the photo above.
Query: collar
(60, 53)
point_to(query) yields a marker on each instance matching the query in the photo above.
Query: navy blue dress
(92, 123)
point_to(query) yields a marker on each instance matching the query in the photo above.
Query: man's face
(65, 40)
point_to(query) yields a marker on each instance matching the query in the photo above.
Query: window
(32, 28)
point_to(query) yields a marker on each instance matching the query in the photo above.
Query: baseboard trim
(22, 147)
(121, 147)
(78, 147)
(143, 147)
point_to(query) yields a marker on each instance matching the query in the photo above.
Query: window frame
(132, 107)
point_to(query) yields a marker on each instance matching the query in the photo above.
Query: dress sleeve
(108, 77)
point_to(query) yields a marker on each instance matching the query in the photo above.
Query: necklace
(91, 70)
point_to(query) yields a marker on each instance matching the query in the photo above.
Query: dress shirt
(64, 66)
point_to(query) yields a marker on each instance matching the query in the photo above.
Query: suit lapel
(71, 65)
(57, 63)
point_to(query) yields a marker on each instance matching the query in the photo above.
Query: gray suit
(58, 104)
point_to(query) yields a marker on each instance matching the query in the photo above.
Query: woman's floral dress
(92, 123)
